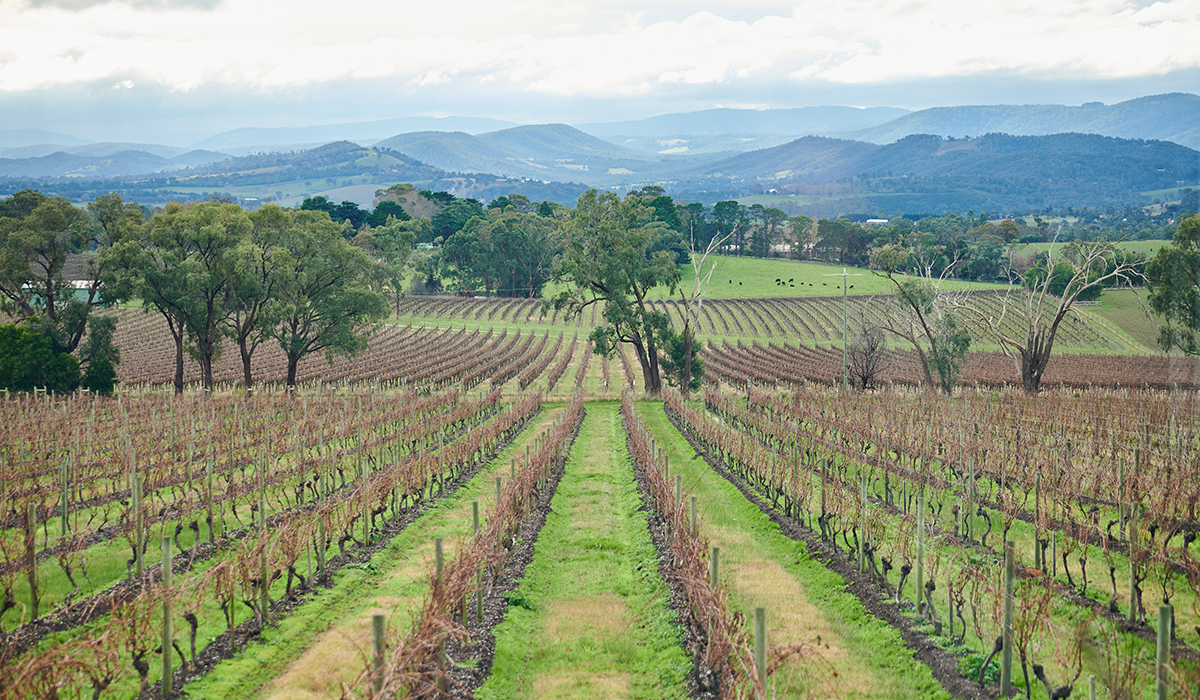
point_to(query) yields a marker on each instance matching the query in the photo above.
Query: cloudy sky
(176, 71)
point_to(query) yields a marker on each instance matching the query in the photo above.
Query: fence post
(1006, 655)
(1162, 687)
(378, 628)
(438, 558)
(168, 632)
(760, 646)
(714, 567)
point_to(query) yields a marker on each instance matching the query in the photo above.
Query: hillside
(276, 138)
(1171, 117)
(103, 164)
(539, 151)
(927, 173)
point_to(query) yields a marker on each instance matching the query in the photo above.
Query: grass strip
(591, 617)
(311, 652)
(862, 656)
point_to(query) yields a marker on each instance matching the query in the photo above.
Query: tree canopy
(606, 260)
(1173, 277)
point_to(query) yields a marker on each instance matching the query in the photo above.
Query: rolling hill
(1171, 117)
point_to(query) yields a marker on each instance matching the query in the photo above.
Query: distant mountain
(1172, 117)
(30, 137)
(995, 171)
(800, 121)
(107, 148)
(737, 130)
(361, 132)
(559, 142)
(118, 164)
(537, 151)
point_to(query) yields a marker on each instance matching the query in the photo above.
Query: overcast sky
(175, 71)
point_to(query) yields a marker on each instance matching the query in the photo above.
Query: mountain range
(1010, 155)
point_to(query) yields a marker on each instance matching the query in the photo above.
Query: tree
(385, 210)
(766, 229)
(183, 266)
(256, 277)
(681, 362)
(39, 237)
(454, 216)
(868, 355)
(28, 361)
(1038, 311)
(729, 221)
(1173, 277)
(391, 246)
(920, 316)
(323, 301)
(605, 260)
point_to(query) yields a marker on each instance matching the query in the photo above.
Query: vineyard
(477, 506)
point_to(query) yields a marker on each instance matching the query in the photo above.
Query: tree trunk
(247, 351)
(293, 361)
(687, 359)
(178, 362)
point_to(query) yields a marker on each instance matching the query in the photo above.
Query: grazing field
(477, 505)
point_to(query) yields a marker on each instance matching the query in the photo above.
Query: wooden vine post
(65, 491)
(1006, 655)
(1162, 686)
(920, 555)
(378, 637)
(478, 583)
(1037, 515)
(31, 558)
(760, 647)
(714, 568)
(1133, 535)
(139, 526)
(168, 631)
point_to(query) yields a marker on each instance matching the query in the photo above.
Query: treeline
(216, 273)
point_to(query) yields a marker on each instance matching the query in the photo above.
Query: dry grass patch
(582, 684)
(586, 616)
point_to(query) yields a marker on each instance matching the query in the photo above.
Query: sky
(177, 71)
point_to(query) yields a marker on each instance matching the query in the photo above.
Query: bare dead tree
(693, 302)
(1037, 303)
(921, 313)
(868, 354)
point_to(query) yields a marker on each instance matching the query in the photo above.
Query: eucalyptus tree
(324, 300)
(606, 260)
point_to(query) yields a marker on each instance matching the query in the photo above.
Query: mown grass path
(851, 653)
(590, 618)
(310, 653)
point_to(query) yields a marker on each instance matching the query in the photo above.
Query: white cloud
(572, 49)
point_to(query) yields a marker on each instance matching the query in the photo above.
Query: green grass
(873, 660)
(590, 617)
(757, 280)
(1126, 309)
(393, 583)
